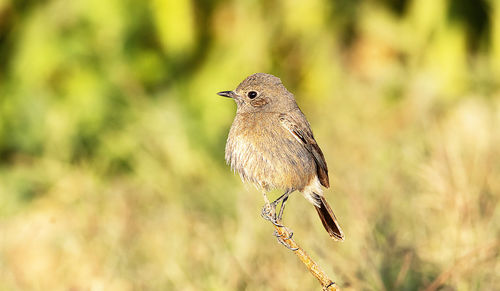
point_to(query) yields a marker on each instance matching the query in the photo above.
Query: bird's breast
(263, 152)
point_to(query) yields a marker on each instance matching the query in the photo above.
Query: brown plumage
(271, 145)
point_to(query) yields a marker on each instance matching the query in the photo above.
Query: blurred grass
(112, 174)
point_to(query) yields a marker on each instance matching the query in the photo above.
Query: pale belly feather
(266, 154)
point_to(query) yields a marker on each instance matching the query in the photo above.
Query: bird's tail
(329, 220)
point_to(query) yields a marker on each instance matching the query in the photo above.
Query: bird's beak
(229, 94)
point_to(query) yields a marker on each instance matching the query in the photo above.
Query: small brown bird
(271, 145)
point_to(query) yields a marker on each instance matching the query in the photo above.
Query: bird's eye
(252, 94)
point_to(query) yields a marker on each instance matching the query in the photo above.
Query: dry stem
(304, 257)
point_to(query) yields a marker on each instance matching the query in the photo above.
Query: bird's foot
(269, 213)
(282, 239)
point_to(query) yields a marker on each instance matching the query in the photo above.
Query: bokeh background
(112, 173)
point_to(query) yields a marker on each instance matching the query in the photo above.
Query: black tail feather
(329, 220)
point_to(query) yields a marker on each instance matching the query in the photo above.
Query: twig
(326, 283)
(404, 270)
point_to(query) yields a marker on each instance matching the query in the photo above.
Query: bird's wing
(295, 122)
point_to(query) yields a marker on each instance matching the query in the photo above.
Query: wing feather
(296, 123)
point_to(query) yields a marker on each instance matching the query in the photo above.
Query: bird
(271, 145)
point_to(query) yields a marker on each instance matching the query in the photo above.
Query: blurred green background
(112, 173)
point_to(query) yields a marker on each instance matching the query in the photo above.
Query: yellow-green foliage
(112, 174)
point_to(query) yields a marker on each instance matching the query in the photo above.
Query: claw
(281, 241)
(276, 234)
(329, 284)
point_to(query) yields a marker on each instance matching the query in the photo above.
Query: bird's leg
(270, 214)
(280, 215)
(276, 202)
(283, 198)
